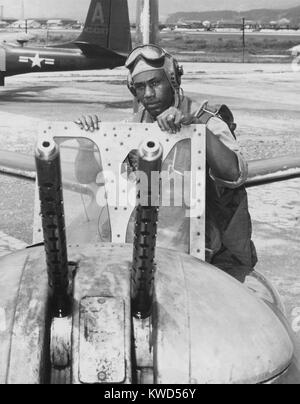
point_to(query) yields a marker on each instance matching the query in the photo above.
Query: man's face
(154, 91)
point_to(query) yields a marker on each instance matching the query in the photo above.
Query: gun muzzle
(48, 169)
(143, 268)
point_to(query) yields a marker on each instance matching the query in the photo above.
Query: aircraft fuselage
(18, 60)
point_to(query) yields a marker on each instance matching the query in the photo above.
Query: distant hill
(260, 15)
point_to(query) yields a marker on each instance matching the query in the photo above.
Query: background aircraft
(104, 43)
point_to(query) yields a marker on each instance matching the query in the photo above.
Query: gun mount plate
(114, 142)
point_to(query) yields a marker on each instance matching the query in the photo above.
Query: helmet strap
(178, 97)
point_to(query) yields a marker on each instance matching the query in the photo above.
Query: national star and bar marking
(36, 60)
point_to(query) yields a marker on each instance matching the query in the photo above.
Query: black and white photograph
(150, 194)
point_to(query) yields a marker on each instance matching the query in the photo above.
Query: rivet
(102, 376)
(101, 300)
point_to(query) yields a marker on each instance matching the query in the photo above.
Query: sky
(78, 8)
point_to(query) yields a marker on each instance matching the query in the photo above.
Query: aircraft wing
(261, 172)
(276, 169)
(16, 161)
(23, 166)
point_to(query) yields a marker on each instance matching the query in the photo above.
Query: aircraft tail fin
(107, 25)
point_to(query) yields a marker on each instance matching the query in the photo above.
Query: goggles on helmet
(150, 53)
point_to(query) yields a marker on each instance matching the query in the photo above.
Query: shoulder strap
(222, 111)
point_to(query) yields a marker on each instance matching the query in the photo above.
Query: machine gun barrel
(143, 268)
(48, 168)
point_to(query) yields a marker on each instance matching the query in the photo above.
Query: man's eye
(155, 83)
(140, 87)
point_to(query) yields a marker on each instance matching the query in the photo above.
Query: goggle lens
(150, 53)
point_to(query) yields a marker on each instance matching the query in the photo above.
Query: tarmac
(265, 101)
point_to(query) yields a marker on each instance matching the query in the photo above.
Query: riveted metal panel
(115, 141)
(102, 340)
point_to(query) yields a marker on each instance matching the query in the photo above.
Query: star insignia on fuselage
(36, 61)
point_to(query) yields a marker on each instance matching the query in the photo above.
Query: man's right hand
(88, 122)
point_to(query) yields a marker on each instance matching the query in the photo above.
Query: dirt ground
(264, 99)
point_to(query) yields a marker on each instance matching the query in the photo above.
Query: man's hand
(172, 120)
(88, 122)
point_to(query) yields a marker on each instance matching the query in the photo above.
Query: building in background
(23, 24)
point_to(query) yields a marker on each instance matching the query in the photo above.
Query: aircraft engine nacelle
(205, 328)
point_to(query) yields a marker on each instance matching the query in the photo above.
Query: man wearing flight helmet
(154, 79)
